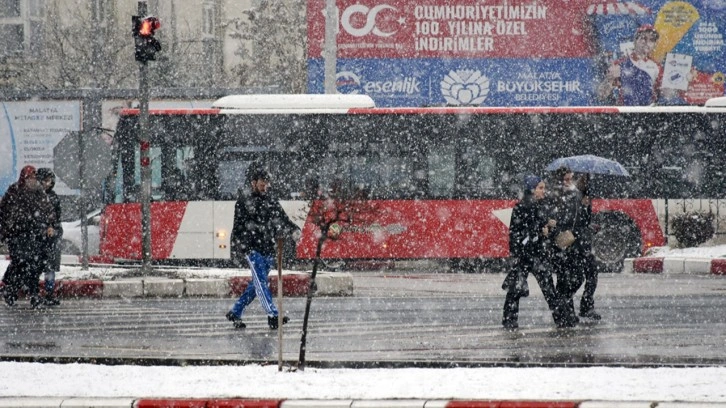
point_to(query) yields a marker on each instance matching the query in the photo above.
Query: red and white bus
(444, 180)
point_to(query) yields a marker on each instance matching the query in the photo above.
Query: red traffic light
(148, 26)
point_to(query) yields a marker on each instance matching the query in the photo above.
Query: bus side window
(232, 175)
(477, 173)
(441, 171)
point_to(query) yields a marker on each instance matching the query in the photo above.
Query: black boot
(565, 316)
(10, 296)
(50, 300)
(272, 321)
(35, 302)
(511, 311)
(236, 321)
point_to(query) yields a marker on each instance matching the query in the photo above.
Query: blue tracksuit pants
(260, 266)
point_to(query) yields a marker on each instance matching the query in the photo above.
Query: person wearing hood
(27, 220)
(529, 240)
(52, 253)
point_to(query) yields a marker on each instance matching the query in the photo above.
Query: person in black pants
(569, 253)
(52, 255)
(26, 222)
(583, 232)
(529, 231)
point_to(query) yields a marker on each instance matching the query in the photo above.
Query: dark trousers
(569, 267)
(26, 256)
(542, 272)
(587, 302)
(51, 260)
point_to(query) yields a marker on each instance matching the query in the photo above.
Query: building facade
(56, 44)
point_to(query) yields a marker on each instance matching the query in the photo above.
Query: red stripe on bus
(641, 212)
(170, 112)
(482, 111)
(417, 229)
(122, 229)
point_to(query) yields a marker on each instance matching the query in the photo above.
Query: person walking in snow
(565, 206)
(529, 236)
(26, 218)
(52, 254)
(258, 220)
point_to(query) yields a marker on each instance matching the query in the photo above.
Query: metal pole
(145, 145)
(280, 315)
(82, 205)
(145, 161)
(330, 50)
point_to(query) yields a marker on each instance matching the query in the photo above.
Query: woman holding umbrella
(565, 207)
(582, 265)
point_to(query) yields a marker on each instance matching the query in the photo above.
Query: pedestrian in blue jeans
(258, 220)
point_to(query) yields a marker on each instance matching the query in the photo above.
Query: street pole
(281, 312)
(145, 161)
(82, 204)
(330, 49)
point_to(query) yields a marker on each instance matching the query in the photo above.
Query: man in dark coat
(566, 208)
(52, 255)
(258, 220)
(27, 219)
(583, 232)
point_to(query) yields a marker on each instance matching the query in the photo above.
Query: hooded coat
(25, 211)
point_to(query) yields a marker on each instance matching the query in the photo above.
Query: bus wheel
(616, 237)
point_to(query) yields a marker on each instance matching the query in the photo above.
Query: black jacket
(565, 206)
(525, 229)
(258, 219)
(56, 205)
(25, 213)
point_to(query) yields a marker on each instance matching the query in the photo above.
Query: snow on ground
(594, 383)
(717, 251)
(597, 383)
(110, 272)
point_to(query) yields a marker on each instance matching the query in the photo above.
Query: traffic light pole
(145, 161)
(330, 49)
(145, 169)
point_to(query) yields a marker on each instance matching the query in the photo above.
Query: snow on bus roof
(716, 102)
(294, 101)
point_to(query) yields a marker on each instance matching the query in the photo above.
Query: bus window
(383, 177)
(175, 183)
(477, 172)
(232, 175)
(441, 171)
(155, 158)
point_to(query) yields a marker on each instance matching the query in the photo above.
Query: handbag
(564, 239)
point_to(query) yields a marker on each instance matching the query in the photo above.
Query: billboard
(28, 133)
(523, 52)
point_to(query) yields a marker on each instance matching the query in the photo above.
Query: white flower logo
(465, 87)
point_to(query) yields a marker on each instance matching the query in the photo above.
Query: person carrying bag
(529, 232)
(566, 259)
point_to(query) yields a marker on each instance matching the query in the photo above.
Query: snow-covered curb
(675, 265)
